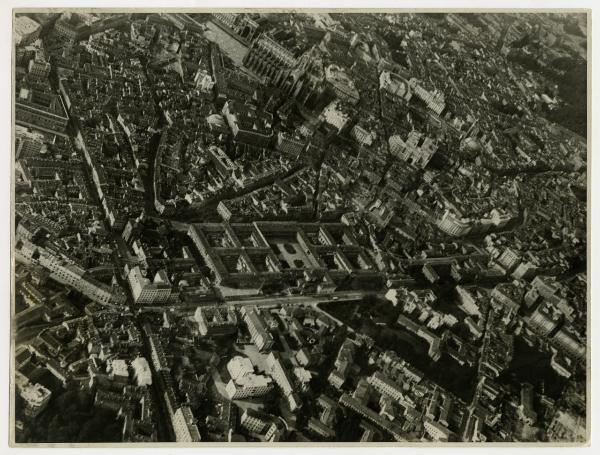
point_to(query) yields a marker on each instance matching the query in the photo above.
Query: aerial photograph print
(299, 227)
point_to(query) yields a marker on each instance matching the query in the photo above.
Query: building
(432, 339)
(369, 431)
(453, 225)
(569, 344)
(146, 292)
(382, 422)
(259, 254)
(159, 360)
(68, 273)
(411, 299)
(525, 271)
(248, 386)
(118, 370)
(108, 399)
(545, 319)
(434, 100)
(216, 321)
(341, 84)
(509, 259)
(38, 66)
(279, 373)
(240, 24)
(418, 149)
(395, 86)
(184, 425)
(239, 367)
(386, 385)
(436, 430)
(274, 433)
(318, 427)
(281, 376)
(303, 376)
(253, 421)
(500, 218)
(65, 29)
(337, 377)
(430, 273)
(42, 110)
(545, 286)
(526, 410)
(28, 143)
(224, 165)
(244, 382)
(335, 115)
(468, 301)
(25, 30)
(34, 396)
(259, 332)
(248, 124)
(362, 136)
(141, 371)
(290, 145)
(304, 357)
(269, 59)
(343, 364)
(23, 355)
(330, 407)
(566, 426)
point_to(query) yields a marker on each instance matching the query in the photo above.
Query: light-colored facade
(141, 371)
(68, 273)
(253, 422)
(261, 336)
(148, 292)
(35, 396)
(215, 321)
(184, 425)
(244, 382)
(25, 30)
(385, 385)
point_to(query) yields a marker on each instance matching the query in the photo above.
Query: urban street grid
(300, 227)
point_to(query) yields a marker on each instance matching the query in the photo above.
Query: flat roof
(24, 25)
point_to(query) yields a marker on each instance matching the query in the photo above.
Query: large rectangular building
(40, 110)
(216, 321)
(258, 329)
(383, 423)
(35, 396)
(149, 292)
(25, 30)
(386, 385)
(263, 253)
(184, 425)
(249, 124)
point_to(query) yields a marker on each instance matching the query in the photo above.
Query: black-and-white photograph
(299, 227)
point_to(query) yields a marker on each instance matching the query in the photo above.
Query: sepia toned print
(300, 227)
